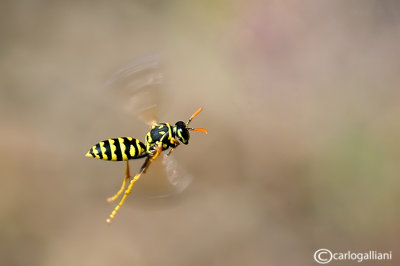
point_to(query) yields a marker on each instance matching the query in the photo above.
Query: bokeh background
(301, 100)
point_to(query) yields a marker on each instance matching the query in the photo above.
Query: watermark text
(324, 256)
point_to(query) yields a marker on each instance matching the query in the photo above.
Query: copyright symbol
(323, 256)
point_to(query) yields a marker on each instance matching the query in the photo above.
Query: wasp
(161, 137)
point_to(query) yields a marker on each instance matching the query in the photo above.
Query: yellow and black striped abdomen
(118, 149)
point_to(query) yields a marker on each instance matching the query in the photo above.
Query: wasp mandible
(161, 137)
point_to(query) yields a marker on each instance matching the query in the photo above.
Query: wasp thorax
(182, 132)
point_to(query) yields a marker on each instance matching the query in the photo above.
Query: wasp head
(182, 132)
(181, 129)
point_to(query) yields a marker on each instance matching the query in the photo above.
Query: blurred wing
(138, 87)
(177, 175)
(166, 178)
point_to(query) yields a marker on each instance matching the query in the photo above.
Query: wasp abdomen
(118, 149)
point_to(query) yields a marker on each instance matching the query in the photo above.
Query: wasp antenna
(194, 115)
(199, 129)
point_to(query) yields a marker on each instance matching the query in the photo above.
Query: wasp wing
(177, 175)
(168, 178)
(139, 87)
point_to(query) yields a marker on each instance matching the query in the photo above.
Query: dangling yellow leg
(136, 178)
(127, 176)
(127, 192)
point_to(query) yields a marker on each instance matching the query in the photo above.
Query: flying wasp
(161, 137)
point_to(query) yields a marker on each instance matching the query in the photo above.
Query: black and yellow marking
(161, 132)
(118, 149)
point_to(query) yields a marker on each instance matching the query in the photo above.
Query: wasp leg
(146, 165)
(176, 144)
(150, 159)
(127, 176)
(127, 192)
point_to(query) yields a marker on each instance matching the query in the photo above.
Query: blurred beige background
(301, 100)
